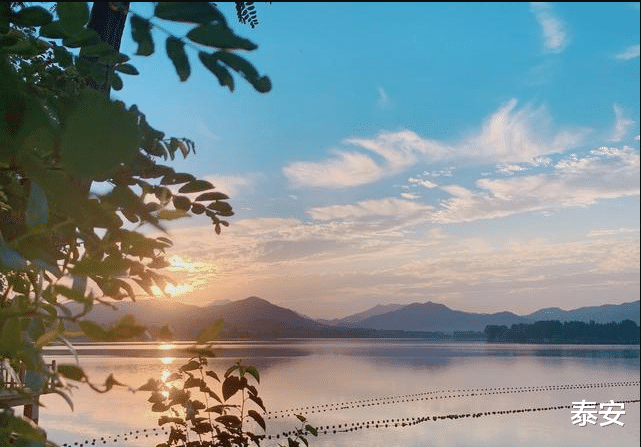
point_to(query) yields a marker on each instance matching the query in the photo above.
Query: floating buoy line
(438, 394)
(135, 435)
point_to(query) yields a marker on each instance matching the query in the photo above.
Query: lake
(375, 393)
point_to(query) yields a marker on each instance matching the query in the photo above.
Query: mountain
(252, 316)
(353, 320)
(437, 317)
(599, 314)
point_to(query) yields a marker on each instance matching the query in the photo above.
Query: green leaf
(37, 212)
(254, 372)
(237, 63)
(257, 417)
(312, 430)
(231, 386)
(86, 37)
(195, 186)
(53, 30)
(116, 81)
(222, 74)
(211, 196)
(99, 136)
(210, 333)
(127, 69)
(176, 52)
(181, 203)
(190, 366)
(218, 35)
(193, 12)
(141, 34)
(93, 331)
(63, 56)
(46, 338)
(73, 16)
(72, 372)
(172, 214)
(178, 178)
(33, 16)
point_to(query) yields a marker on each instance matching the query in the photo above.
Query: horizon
(483, 156)
(223, 302)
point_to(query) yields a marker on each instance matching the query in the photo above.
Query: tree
(59, 130)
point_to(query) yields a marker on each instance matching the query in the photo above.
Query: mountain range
(257, 317)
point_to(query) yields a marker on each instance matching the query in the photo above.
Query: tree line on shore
(624, 332)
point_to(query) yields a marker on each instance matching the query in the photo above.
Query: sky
(480, 155)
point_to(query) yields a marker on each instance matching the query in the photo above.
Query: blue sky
(483, 155)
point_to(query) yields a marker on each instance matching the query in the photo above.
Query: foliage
(60, 242)
(226, 418)
(626, 331)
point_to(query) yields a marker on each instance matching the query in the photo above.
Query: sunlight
(166, 346)
(167, 360)
(179, 263)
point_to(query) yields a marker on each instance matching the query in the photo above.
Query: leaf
(222, 74)
(196, 186)
(181, 203)
(190, 366)
(151, 385)
(72, 372)
(211, 196)
(141, 34)
(312, 430)
(254, 372)
(33, 16)
(222, 208)
(63, 57)
(99, 136)
(166, 420)
(197, 12)
(229, 420)
(176, 52)
(197, 208)
(218, 35)
(85, 37)
(213, 375)
(156, 397)
(116, 81)
(257, 417)
(46, 338)
(172, 214)
(93, 330)
(174, 179)
(53, 30)
(257, 400)
(262, 84)
(73, 16)
(210, 333)
(301, 418)
(231, 386)
(127, 69)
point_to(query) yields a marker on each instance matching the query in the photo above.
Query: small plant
(228, 418)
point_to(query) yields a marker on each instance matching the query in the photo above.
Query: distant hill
(252, 316)
(437, 317)
(255, 317)
(599, 314)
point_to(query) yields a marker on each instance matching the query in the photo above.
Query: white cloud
(389, 207)
(632, 52)
(409, 195)
(555, 38)
(231, 185)
(508, 135)
(345, 169)
(621, 125)
(574, 182)
(422, 182)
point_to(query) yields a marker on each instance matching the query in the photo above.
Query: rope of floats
(438, 394)
(134, 435)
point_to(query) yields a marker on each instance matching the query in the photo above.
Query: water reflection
(301, 374)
